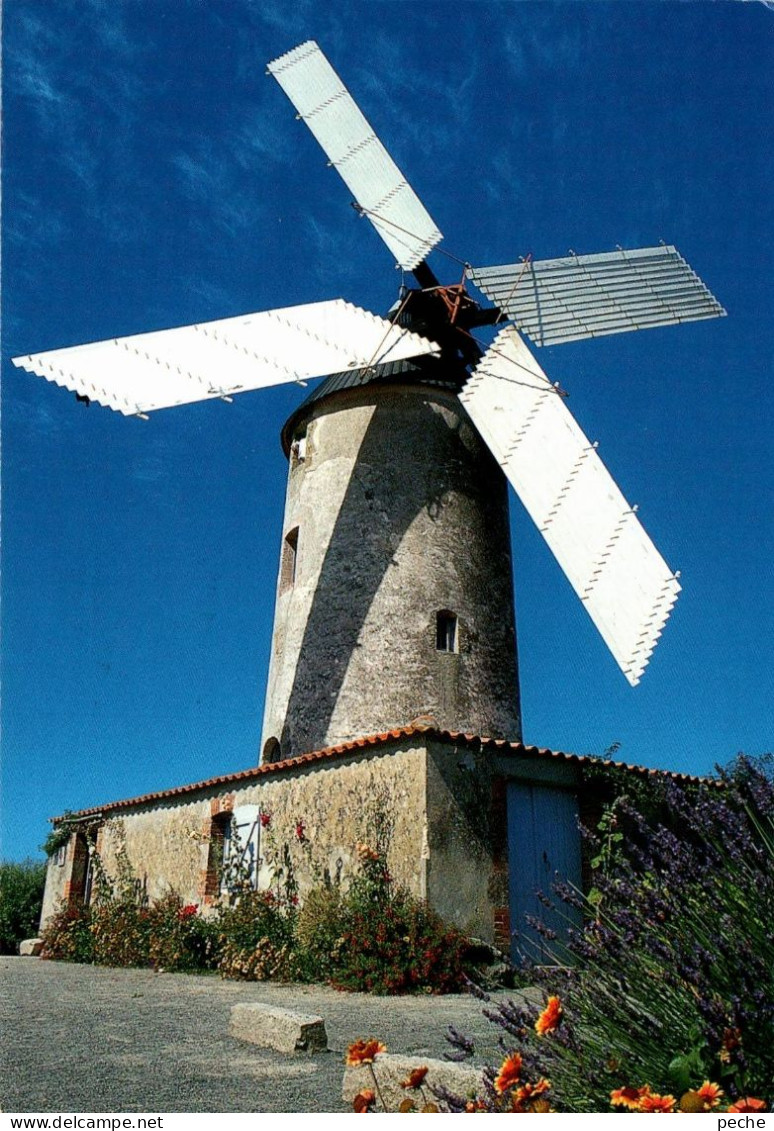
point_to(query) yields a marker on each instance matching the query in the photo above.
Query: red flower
(300, 831)
(187, 911)
(628, 1097)
(749, 1103)
(265, 820)
(732, 1039)
(364, 1052)
(415, 1078)
(710, 1094)
(508, 1076)
(550, 1017)
(528, 1097)
(653, 1103)
(363, 1100)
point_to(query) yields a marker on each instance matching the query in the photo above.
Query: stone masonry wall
(464, 828)
(57, 881)
(167, 844)
(396, 512)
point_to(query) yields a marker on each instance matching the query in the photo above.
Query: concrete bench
(270, 1027)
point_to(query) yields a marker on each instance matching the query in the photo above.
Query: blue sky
(154, 176)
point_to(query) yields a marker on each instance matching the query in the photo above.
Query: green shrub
(59, 836)
(67, 935)
(21, 898)
(391, 943)
(118, 932)
(256, 937)
(373, 937)
(401, 947)
(179, 939)
(121, 933)
(319, 934)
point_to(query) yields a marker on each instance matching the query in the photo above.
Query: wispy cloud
(209, 175)
(80, 108)
(149, 469)
(535, 43)
(281, 16)
(32, 226)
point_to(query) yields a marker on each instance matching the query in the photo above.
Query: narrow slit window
(446, 631)
(289, 556)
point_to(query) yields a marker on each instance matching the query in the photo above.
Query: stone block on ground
(392, 1068)
(282, 1029)
(30, 948)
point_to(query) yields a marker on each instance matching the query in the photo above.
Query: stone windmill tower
(394, 597)
(395, 594)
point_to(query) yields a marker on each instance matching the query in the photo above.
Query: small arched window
(272, 751)
(298, 447)
(446, 631)
(288, 563)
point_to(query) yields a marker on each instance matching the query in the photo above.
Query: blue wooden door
(543, 842)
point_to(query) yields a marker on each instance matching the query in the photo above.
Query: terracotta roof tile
(329, 753)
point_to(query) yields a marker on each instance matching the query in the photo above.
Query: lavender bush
(673, 984)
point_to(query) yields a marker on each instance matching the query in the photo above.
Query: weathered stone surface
(441, 843)
(30, 947)
(401, 513)
(282, 1029)
(391, 1069)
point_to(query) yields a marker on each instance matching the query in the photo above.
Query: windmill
(468, 419)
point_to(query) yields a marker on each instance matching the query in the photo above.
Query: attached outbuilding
(471, 825)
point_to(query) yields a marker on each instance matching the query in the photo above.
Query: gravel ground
(92, 1039)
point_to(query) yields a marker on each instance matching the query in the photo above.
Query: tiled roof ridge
(367, 741)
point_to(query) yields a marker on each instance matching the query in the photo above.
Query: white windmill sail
(144, 372)
(613, 566)
(353, 148)
(587, 296)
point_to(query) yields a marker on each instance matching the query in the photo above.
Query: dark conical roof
(440, 372)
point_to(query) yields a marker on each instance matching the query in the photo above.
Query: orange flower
(749, 1103)
(508, 1076)
(711, 1094)
(364, 1052)
(529, 1092)
(475, 1105)
(550, 1017)
(363, 1100)
(628, 1097)
(732, 1039)
(528, 1097)
(654, 1103)
(415, 1078)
